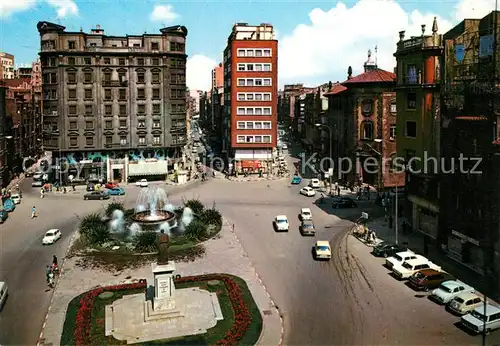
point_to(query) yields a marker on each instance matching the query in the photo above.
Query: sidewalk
(21, 176)
(416, 243)
(223, 255)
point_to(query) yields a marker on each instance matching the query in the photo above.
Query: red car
(110, 185)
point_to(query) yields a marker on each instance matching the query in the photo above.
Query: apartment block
(117, 100)
(7, 66)
(250, 92)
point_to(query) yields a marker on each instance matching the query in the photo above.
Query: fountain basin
(151, 220)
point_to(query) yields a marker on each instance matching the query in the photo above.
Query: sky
(318, 40)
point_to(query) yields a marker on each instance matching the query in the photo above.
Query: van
(477, 321)
(3, 294)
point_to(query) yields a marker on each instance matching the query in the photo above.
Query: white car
(314, 183)
(410, 267)
(281, 223)
(305, 214)
(16, 198)
(478, 321)
(448, 290)
(142, 183)
(400, 258)
(4, 292)
(51, 236)
(322, 250)
(284, 146)
(465, 303)
(307, 191)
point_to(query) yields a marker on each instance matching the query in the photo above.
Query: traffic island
(236, 320)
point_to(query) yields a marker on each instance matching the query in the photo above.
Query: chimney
(349, 72)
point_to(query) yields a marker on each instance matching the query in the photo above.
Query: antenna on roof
(376, 51)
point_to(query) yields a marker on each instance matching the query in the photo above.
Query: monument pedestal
(164, 303)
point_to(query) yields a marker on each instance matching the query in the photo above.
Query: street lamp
(330, 131)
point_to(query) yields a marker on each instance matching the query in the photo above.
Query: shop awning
(254, 164)
(147, 168)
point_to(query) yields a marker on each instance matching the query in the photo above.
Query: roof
(429, 271)
(471, 118)
(467, 295)
(337, 88)
(490, 309)
(373, 76)
(322, 243)
(452, 283)
(305, 210)
(16, 82)
(281, 217)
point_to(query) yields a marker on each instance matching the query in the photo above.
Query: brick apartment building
(7, 66)
(250, 92)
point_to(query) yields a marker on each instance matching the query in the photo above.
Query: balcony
(413, 81)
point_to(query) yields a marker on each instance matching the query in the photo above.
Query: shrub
(111, 207)
(93, 229)
(195, 205)
(212, 217)
(128, 213)
(146, 242)
(196, 230)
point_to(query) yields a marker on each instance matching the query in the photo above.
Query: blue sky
(314, 47)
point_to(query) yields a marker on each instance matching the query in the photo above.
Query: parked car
(281, 223)
(465, 303)
(284, 146)
(305, 214)
(111, 185)
(9, 205)
(477, 321)
(307, 227)
(16, 198)
(322, 250)
(387, 249)
(90, 187)
(51, 236)
(116, 191)
(296, 180)
(408, 268)
(37, 183)
(3, 216)
(428, 279)
(448, 290)
(344, 202)
(96, 195)
(315, 183)
(4, 292)
(399, 258)
(307, 191)
(28, 174)
(142, 183)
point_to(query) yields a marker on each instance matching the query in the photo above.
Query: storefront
(465, 250)
(424, 216)
(253, 160)
(148, 168)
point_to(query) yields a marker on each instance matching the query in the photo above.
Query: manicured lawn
(212, 336)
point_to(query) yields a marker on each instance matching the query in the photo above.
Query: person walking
(54, 260)
(33, 212)
(48, 271)
(42, 192)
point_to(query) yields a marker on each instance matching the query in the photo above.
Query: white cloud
(164, 13)
(473, 9)
(64, 8)
(322, 50)
(8, 7)
(199, 72)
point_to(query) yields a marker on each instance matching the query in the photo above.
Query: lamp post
(330, 131)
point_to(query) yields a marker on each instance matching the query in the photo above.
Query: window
(140, 77)
(123, 110)
(240, 125)
(177, 47)
(367, 130)
(141, 109)
(267, 82)
(266, 139)
(72, 94)
(241, 67)
(392, 132)
(155, 77)
(249, 125)
(89, 125)
(258, 52)
(88, 110)
(258, 82)
(266, 125)
(109, 140)
(254, 111)
(88, 94)
(156, 124)
(87, 61)
(267, 52)
(156, 140)
(155, 61)
(123, 140)
(107, 94)
(411, 129)
(142, 140)
(121, 61)
(156, 108)
(241, 97)
(123, 123)
(412, 74)
(367, 107)
(267, 97)
(411, 100)
(240, 139)
(108, 124)
(72, 109)
(88, 77)
(73, 142)
(107, 77)
(141, 94)
(241, 52)
(122, 77)
(71, 61)
(107, 61)
(156, 94)
(122, 94)
(241, 82)
(394, 108)
(89, 141)
(140, 62)
(73, 125)
(71, 77)
(258, 125)
(155, 46)
(141, 124)
(267, 67)
(71, 44)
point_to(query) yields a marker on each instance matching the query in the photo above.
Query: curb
(282, 332)
(61, 271)
(257, 179)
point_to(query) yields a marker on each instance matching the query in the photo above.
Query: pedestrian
(33, 212)
(48, 271)
(54, 260)
(338, 190)
(42, 192)
(390, 221)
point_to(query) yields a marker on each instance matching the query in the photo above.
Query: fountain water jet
(151, 210)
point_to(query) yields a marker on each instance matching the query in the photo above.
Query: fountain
(153, 212)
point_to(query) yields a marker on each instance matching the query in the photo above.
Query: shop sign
(151, 160)
(464, 237)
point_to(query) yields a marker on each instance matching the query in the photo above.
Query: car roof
(418, 260)
(490, 309)
(453, 284)
(429, 272)
(310, 222)
(322, 243)
(52, 230)
(305, 210)
(281, 217)
(468, 295)
(405, 253)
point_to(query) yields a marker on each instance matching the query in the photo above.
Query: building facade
(250, 90)
(114, 105)
(418, 126)
(7, 66)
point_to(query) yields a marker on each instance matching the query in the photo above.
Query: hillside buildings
(115, 105)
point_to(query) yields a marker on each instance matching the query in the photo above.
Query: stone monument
(164, 303)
